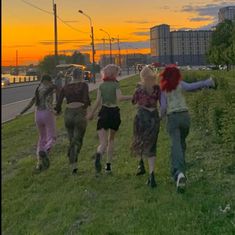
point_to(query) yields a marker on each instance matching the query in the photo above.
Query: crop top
(74, 92)
(142, 98)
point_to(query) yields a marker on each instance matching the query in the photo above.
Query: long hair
(170, 78)
(45, 77)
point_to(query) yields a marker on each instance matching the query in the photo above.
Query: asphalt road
(14, 99)
(17, 93)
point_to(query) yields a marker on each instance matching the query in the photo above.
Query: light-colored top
(174, 101)
(108, 93)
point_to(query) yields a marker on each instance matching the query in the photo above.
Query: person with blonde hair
(108, 94)
(146, 123)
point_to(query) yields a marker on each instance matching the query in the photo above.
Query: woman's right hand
(89, 116)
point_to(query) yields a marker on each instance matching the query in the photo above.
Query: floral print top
(142, 98)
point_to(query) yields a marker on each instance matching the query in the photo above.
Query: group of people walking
(153, 101)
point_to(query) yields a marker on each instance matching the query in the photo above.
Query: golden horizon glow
(30, 31)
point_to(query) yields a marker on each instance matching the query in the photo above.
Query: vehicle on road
(87, 76)
(67, 70)
(5, 81)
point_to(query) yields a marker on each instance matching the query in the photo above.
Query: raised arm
(121, 97)
(30, 104)
(208, 83)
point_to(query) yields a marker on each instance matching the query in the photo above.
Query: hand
(214, 83)
(18, 115)
(89, 116)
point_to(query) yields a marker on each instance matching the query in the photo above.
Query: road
(14, 99)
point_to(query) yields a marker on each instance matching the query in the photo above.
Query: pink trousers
(45, 121)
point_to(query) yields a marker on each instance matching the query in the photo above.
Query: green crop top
(108, 92)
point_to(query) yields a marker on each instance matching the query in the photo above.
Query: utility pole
(16, 59)
(92, 43)
(55, 33)
(104, 56)
(110, 46)
(119, 51)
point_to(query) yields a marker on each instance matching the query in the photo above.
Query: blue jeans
(178, 125)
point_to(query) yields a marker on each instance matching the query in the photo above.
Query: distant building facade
(179, 47)
(226, 13)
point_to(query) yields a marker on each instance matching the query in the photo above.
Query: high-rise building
(179, 47)
(226, 13)
(160, 43)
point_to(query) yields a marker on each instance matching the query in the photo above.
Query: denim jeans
(178, 125)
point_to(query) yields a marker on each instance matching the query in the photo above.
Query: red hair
(170, 78)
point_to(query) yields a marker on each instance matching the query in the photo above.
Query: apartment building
(179, 47)
(226, 13)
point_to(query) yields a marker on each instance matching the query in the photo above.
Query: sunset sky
(29, 29)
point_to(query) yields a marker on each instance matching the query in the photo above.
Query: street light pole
(110, 46)
(92, 42)
(55, 33)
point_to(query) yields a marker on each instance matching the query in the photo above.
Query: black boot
(108, 168)
(44, 159)
(98, 166)
(141, 169)
(151, 181)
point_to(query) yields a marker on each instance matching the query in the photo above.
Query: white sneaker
(181, 183)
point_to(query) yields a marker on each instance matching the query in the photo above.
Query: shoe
(108, 169)
(75, 171)
(141, 169)
(44, 159)
(151, 181)
(98, 166)
(37, 169)
(180, 183)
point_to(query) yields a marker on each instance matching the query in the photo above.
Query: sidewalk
(9, 111)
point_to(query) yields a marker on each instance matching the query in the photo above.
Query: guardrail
(23, 79)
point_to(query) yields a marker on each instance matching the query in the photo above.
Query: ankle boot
(151, 181)
(140, 169)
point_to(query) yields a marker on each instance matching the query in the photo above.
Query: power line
(51, 13)
(36, 7)
(64, 22)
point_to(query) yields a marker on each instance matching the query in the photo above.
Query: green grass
(55, 202)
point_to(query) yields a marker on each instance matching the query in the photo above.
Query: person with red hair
(178, 120)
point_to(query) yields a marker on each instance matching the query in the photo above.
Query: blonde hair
(110, 70)
(148, 77)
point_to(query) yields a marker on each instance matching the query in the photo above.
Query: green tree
(221, 50)
(78, 58)
(47, 64)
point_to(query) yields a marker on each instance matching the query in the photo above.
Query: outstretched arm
(121, 97)
(208, 83)
(30, 104)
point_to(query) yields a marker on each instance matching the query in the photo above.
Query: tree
(47, 64)
(78, 58)
(221, 50)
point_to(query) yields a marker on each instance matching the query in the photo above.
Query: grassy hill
(56, 202)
